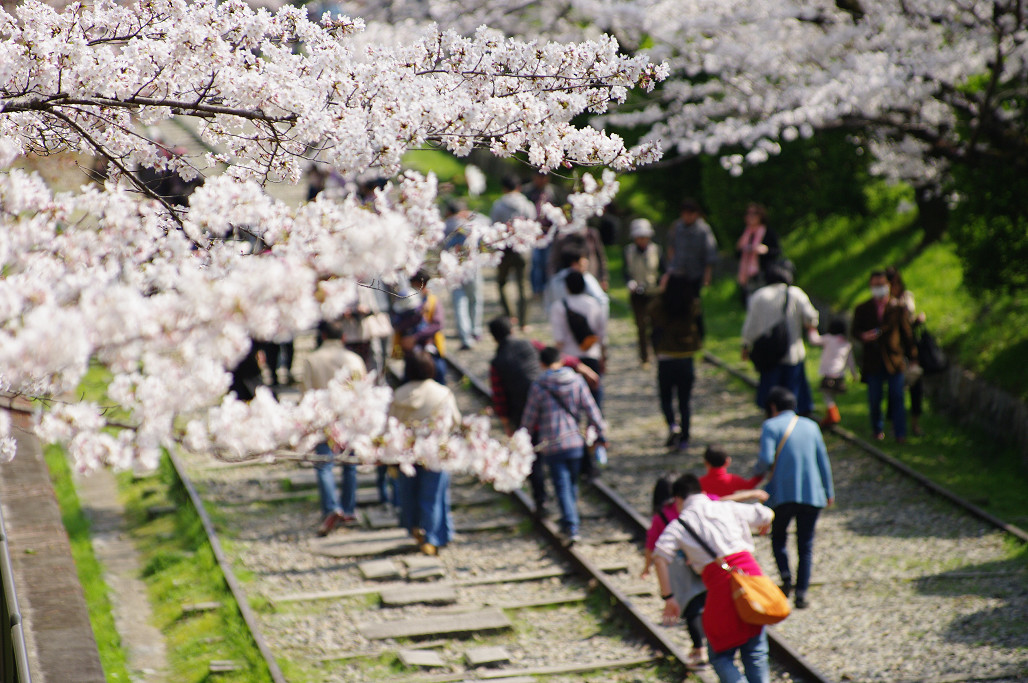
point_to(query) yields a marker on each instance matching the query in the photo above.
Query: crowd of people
(555, 391)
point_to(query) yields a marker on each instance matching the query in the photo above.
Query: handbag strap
(560, 402)
(704, 545)
(781, 443)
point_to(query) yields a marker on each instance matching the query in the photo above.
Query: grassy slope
(178, 567)
(833, 259)
(832, 267)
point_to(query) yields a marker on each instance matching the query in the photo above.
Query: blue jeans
(793, 378)
(806, 519)
(345, 501)
(467, 309)
(425, 503)
(564, 468)
(754, 661)
(386, 485)
(676, 373)
(537, 273)
(875, 384)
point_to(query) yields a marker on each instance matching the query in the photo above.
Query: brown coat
(887, 353)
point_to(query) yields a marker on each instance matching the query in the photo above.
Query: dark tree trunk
(933, 213)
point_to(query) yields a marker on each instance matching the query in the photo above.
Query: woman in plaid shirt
(557, 400)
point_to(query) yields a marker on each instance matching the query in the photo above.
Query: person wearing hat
(643, 267)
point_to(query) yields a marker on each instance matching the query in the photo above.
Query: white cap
(640, 227)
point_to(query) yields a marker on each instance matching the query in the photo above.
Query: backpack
(770, 347)
(580, 328)
(929, 356)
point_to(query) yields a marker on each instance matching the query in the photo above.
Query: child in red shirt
(718, 480)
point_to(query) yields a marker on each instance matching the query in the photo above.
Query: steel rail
(226, 570)
(783, 653)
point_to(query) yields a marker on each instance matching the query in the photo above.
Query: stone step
(448, 624)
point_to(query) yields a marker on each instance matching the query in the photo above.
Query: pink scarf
(749, 261)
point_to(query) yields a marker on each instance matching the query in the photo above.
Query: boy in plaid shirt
(557, 400)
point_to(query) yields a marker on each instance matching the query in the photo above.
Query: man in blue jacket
(793, 455)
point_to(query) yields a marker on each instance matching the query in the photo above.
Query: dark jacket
(514, 366)
(888, 353)
(674, 335)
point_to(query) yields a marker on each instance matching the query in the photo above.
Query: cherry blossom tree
(923, 85)
(156, 294)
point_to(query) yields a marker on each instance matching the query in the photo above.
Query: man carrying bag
(726, 528)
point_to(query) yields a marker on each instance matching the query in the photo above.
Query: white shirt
(561, 330)
(326, 362)
(764, 310)
(725, 526)
(836, 354)
(556, 290)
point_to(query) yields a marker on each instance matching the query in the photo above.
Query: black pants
(693, 617)
(640, 302)
(512, 264)
(676, 374)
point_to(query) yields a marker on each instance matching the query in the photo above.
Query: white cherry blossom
(163, 297)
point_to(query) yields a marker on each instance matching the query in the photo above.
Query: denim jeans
(537, 275)
(875, 385)
(754, 661)
(564, 467)
(676, 373)
(806, 519)
(344, 501)
(793, 378)
(424, 501)
(467, 309)
(386, 486)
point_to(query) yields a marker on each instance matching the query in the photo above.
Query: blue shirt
(802, 473)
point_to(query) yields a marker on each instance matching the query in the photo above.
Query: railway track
(506, 600)
(911, 582)
(785, 657)
(905, 588)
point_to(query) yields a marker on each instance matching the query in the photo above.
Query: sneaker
(419, 535)
(787, 588)
(429, 549)
(674, 436)
(574, 538)
(683, 445)
(801, 602)
(696, 660)
(331, 520)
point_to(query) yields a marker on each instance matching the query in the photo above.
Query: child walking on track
(686, 585)
(836, 358)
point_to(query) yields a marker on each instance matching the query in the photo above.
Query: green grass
(963, 459)
(833, 257)
(90, 572)
(180, 569)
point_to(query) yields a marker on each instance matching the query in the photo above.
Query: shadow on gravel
(1002, 585)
